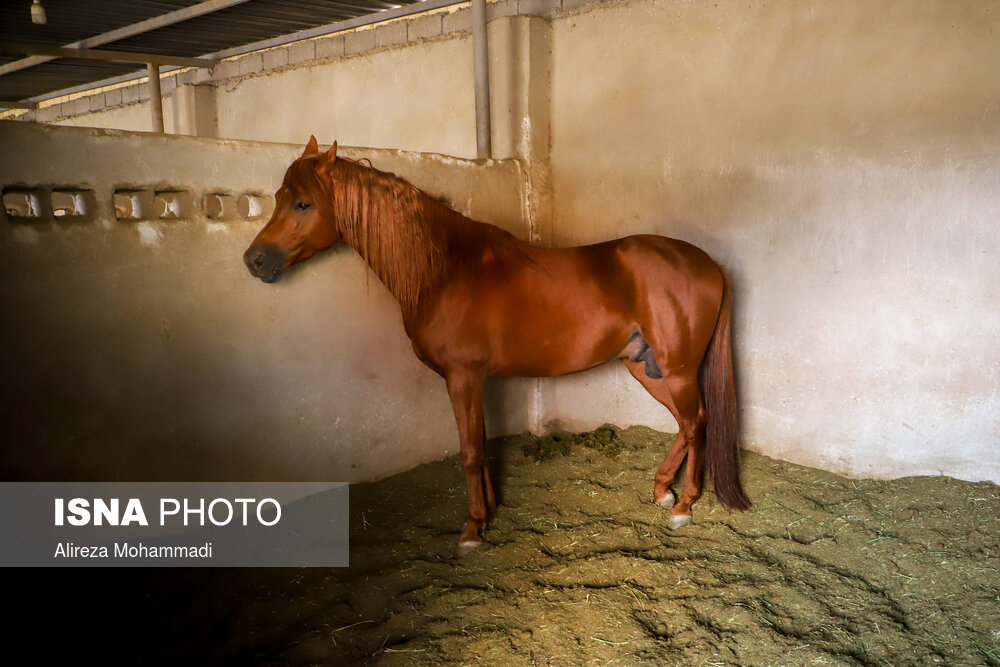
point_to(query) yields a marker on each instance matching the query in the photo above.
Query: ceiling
(220, 29)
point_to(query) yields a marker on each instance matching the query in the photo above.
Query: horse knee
(472, 461)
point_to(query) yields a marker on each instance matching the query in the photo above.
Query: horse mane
(411, 240)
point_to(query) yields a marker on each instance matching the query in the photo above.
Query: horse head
(303, 222)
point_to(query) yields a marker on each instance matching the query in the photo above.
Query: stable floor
(579, 568)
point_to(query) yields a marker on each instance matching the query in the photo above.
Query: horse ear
(311, 147)
(329, 158)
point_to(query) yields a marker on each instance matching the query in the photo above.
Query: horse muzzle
(265, 262)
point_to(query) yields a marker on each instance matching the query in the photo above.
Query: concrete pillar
(480, 48)
(155, 97)
(196, 111)
(520, 72)
(520, 77)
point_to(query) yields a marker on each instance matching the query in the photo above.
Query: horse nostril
(265, 262)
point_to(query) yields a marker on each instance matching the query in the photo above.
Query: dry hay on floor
(580, 569)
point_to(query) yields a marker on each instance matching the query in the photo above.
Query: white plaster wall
(418, 98)
(843, 159)
(134, 118)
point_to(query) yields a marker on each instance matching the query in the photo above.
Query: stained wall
(843, 160)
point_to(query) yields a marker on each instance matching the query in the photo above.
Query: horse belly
(556, 329)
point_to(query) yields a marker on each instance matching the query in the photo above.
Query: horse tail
(722, 447)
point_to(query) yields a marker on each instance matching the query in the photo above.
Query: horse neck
(400, 232)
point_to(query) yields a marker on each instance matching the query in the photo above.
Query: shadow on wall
(140, 348)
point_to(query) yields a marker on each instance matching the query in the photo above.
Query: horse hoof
(678, 521)
(467, 547)
(668, 500)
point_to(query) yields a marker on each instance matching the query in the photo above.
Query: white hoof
(467, 547)
(678, 521)
(668, 500)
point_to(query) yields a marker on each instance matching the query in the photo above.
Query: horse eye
(302, 206)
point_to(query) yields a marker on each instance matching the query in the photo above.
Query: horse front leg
(466, 392)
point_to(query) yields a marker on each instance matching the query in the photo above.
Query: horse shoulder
(446, 331)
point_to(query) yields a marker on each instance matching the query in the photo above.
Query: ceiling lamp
(37, 12)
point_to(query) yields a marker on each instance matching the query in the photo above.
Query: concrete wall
(843, 159)
(840, 158)
(415, 99)
(144, 350)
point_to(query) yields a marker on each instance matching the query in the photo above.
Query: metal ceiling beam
(102, 55)
(339, 26)
(124, 32)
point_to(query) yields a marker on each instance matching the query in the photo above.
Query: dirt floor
(579, 569)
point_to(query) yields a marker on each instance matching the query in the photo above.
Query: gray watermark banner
(168, 524)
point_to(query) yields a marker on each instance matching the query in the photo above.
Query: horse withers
(476, 302)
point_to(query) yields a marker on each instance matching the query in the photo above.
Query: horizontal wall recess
(133, 205)
(65, 204)
(253, 207)
(23, 204)
(70, 205)
(173, 204)
(219, 206)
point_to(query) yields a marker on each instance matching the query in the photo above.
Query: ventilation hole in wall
(23, 205)
(251, 207)
(133, 205)
(70, 205)
(172, 204)
(219, 206)
(266, 205)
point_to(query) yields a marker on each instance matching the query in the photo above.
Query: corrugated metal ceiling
(70, 21)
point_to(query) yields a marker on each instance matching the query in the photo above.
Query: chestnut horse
(476, 302)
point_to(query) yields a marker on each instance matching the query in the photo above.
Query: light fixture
(37, 12)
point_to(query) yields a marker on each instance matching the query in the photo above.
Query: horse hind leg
(692, 421)
(680, 394)
(491, 503)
